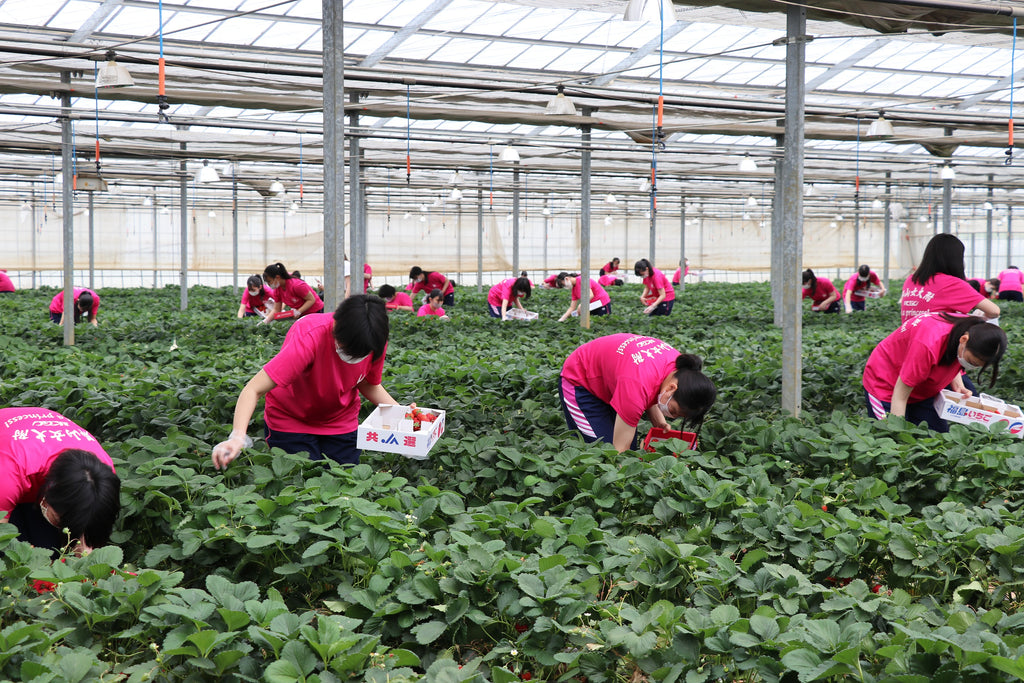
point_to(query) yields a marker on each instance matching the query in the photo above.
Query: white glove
(226, 451)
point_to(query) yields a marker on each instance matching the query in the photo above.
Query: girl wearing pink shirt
(659, 296)
(254, 299)
(823, 294)
(597, 295)
(290, 290)
(608, 384)
(939, 285)
(312, 386)
(855, 290)
(428, 281)
(54, 475)
(609, 267)
(433, 306)
(512, 290)
(927, 353)
(609, 281)
(87, 303)
(6, 285)
(1011, 284)
(681, 273)
(393, 300)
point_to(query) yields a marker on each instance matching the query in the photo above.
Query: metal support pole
(34, 258)
(234, 227)
(515, 219)
(778, 275)
(682, 242)
(988, 231)
(92, 243)
(355, 189)
(653, 231)
(479, 240)
(183, 194)
(888, 228)
(585, 223)
(458, 239)
(156, 243)
(334, 152)
(793, 210)
(856, 228)
(547, 229)
(1009, 235)
(67, 202)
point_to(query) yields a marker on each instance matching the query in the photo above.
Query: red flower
(43, 586)
(526, 676)
(876, 588)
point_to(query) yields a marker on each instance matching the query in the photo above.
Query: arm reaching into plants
(254, 390)
(622, 437)
(900, 395)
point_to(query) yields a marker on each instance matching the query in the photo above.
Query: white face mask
(966, 365)
(863, 279)
(252, 293)
(351, 360)
(664, 406)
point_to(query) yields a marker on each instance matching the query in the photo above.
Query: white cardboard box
(983, 409)
(387, 429)
(520, 314)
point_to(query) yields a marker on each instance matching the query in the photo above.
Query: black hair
(618, 282)
(975, 285)
(560, 279)
(985, 340)
(615, 260)
(994, 281)
(642, 264)
(522, 273)
(83, 306)
(943, 254)
(522, 285)
(361, 326)
(415, 272)
(386, 292)
(695, 392)
(808, 278)
(254, 282)
(435, 294)
(1013, 267)
(85, 493)
(296, 274)
(864, 270)
(276, 270)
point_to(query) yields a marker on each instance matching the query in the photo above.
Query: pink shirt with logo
(258, 302)
(597, 293)
(679, 275)
(1011, 280)
(432, 281)
(57, 303)
(606, 280)
(293, 292)
(399, 299)
(30, 440)
(623, 370)
(502, 292)
(824, 290)
(911, 353)
(941, 294)
(858, 290)
(657, 280)
(426, 310)
(6, 285)
(316, 390)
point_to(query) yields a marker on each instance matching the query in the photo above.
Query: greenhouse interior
(821, 498)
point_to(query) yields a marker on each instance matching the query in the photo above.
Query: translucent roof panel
(457, 17)
(498, 53)
(499, 19)
(404, 12)
(360, 12)
(73, 14)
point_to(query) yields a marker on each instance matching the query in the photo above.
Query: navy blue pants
(341, 448)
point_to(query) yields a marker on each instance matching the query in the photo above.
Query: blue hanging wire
(161, 95)
(1013, 53)
(652, 199)
(96, 99)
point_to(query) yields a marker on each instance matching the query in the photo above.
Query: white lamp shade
(877, 205)
(751, 201)
(880, 128)
(146, 201)
(212, 214)
(644, 186)
(408, 215)
(456, 194)
(423, 219)
(947, 173)
(560, 105)
(987, 206)
(207, 174)
(650, 10)
(424, 208)
(545, 211)
(276, 187)
(113, 75)
(455, 178)
(607, 220)
(164, 210)
(509, 154)
(610, 199)
(747, 165)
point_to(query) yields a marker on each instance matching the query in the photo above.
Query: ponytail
(276, 270)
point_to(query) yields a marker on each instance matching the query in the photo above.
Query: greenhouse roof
(451, 82)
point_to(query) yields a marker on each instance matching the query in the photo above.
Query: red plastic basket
(657, 434)
(284, 315)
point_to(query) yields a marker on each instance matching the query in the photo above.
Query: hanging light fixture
(423, 219)
(456, 194)
(644, 186)
(987, 206)
(146, 201)
(947, 172)
(545, 211)
(207, 174)
(424, 208)
(508, 217)
(839, 216)
(509, 154)
(164, 210)
(650, 10)
(810, 190)
(747, 165)
(877, 205)
(455, 178)
(294, 207)
(880, 128)
(752, 201)
(212, 214)
(277, 187)
(113, 75)
(560, 105)
(437, 202)
(408, 215)
(607, 220)
(610, 199)
(746, 216)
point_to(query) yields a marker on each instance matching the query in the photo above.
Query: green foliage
(821, 548)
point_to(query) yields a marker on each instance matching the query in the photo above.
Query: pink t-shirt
(824, 290)
(1011, 280)
(367, 270)
(942, 294)
(606, 280)
(679, 275)
(433, 281)
(610, 268)
(399, 299)
(859, 289)
(911, 353)
(597, 293)
(623, 370)
(316, 390)
(502, 292)
(254, 303)
(293, 292)
(550, 280)
(57, 303)
(426, 310)
(30, 440)
(5, 282)
(657, 280)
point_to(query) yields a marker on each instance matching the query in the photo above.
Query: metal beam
(68, 208)
(400, 37)
(999, 86)
(649, 48)
(93, 22)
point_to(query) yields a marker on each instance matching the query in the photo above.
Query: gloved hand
(226, 451)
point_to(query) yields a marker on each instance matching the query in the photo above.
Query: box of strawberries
(407, 430)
